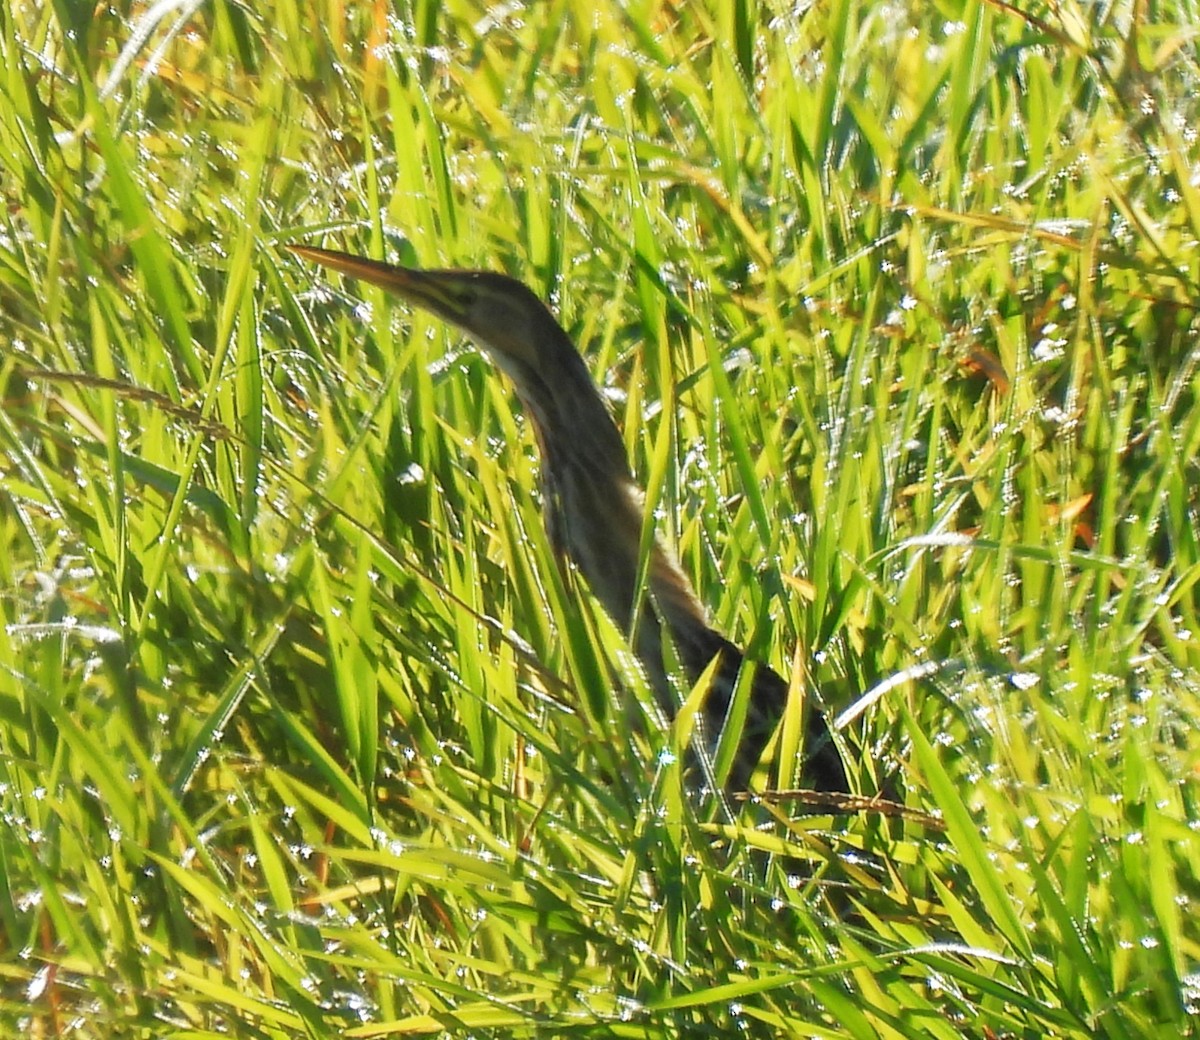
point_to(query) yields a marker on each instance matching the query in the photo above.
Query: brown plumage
(591, 505)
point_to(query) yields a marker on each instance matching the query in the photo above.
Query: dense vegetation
(302, 730)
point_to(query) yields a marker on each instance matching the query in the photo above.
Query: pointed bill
(408, 283)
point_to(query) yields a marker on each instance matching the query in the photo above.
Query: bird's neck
(594, 514)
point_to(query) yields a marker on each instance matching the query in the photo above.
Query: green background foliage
(303, 732)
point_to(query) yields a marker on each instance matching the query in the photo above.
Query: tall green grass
(303, 730)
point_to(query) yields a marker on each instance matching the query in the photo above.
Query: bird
(593, 508)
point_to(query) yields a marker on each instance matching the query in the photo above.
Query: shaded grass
(302, 729)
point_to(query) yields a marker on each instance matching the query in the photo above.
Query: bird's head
(501, 314)
(520, 335)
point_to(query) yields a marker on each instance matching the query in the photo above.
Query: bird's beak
(406, 282)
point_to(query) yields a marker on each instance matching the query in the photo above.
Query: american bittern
(592, 507)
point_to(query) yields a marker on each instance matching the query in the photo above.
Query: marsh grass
(303, 731)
